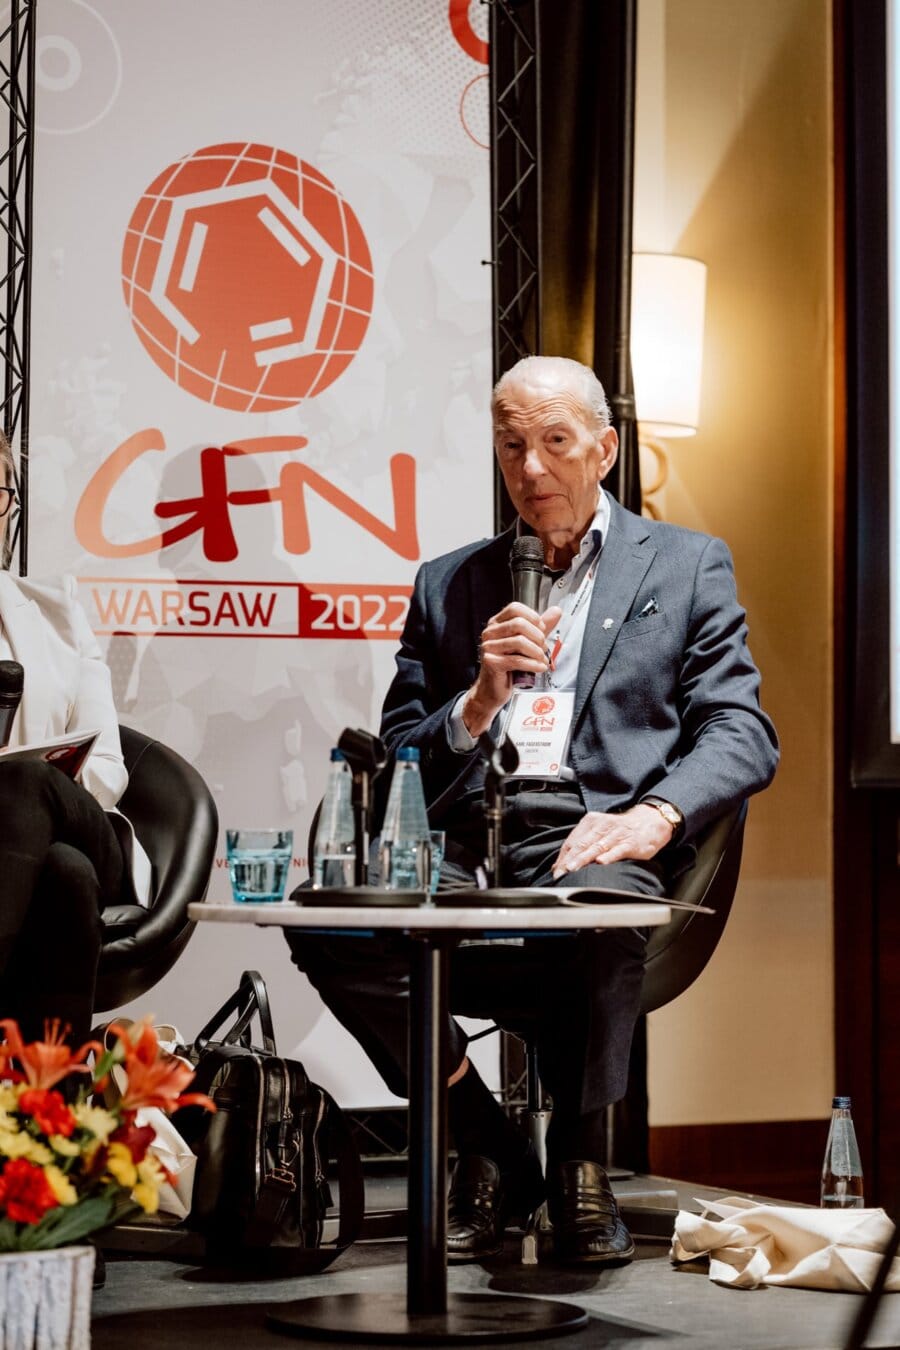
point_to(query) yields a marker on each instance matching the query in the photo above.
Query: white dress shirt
(571, 590)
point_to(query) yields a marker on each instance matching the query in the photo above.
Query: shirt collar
(594, 535)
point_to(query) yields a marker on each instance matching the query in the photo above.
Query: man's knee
(347, 962)
(642, 878)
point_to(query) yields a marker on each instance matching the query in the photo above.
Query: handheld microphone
(12, 679)
(526, 563)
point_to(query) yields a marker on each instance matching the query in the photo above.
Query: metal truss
(516, 268)
(515, 179)
(17, 43)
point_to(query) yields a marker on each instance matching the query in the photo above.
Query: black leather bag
(261, 1187)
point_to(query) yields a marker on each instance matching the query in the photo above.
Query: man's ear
(608, 445)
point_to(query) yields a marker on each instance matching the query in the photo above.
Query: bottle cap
(336, 754)
(408, 753)
(840, 1104)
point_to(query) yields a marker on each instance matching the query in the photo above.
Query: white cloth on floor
(750, 1244)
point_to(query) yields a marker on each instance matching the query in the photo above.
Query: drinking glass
(438, 844)
(258, 863)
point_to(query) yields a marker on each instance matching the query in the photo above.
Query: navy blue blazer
(667, 703)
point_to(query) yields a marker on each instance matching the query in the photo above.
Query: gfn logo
(248, 277)
(540, 719)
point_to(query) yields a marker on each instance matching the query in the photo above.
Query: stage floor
(649, 1305)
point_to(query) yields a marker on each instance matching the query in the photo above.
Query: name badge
(538, 724)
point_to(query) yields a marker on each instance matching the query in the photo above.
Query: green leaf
(9, 1237)
(67, 1223)
(106, 1062)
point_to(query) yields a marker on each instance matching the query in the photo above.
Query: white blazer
(68, 688)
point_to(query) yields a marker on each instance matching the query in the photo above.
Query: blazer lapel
(490, 582)
(24, 629)
(621, 568)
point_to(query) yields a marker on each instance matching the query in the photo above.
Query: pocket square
(651, 607)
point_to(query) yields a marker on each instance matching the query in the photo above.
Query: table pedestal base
(373, 1319)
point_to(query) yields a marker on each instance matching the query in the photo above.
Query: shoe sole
(461, 1258)
(597, 1259)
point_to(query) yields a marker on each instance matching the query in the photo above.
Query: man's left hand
(598, 837)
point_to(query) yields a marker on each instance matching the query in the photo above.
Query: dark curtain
(587, 51)
(586, 94)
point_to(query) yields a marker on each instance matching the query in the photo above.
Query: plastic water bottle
(842, 1176)
(405, 837)
(334, 853)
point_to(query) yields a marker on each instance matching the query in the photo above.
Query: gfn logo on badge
(247, 276)
(540, 718)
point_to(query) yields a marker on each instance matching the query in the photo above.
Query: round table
(427, 1314)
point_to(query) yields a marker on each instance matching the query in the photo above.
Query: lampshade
(668, 295)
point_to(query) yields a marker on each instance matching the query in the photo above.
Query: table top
(633, 912)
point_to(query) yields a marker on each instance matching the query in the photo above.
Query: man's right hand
(514, 639)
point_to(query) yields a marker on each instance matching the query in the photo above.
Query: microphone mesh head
(12, 678)
(527, 554)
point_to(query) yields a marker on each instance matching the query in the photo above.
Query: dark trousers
(576, 997)
(60, 863)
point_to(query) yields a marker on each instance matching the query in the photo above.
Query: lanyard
(570, 611)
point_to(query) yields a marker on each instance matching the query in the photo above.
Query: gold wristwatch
(668, 812)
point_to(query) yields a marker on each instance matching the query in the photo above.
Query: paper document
(67, 753)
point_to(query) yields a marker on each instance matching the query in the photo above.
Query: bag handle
(250, 999)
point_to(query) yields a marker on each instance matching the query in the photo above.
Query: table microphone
(526, 562)
(12, 678)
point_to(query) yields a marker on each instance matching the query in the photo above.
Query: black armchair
(678, 951)
(175, 818)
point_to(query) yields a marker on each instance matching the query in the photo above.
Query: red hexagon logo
(248, 277)
(543, 705)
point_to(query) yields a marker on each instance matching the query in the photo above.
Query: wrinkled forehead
(522, 405)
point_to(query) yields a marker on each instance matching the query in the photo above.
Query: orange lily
(42, 1064)
(154, 1079)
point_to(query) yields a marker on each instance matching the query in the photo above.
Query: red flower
(49, 1111)
(25, 1192)
(41, 1063)
(136, 1138)
(154, 1078)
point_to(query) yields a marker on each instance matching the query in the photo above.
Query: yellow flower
(66, 1148)
(18, 1144)
(147, 1197)
(151, 1175)
(61, 1186)
(99, 1122)
(8, 1097)
(120, 1165)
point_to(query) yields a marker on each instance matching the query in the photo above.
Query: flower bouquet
(69, 1166)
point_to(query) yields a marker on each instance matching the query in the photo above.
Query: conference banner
(260, 364)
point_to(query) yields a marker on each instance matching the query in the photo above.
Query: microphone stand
(366, 756)
(501, 761)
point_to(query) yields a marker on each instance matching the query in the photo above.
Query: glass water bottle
(842, 1176)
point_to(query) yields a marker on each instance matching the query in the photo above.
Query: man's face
(550, 455)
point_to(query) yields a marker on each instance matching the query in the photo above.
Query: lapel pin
(607, 623)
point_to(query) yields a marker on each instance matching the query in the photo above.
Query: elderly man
(641, 644)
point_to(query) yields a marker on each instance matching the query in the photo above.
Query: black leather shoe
(483, 1201)
(586, 1223)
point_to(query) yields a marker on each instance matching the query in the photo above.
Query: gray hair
(530, 367)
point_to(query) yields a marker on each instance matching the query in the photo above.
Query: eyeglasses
(7, 500)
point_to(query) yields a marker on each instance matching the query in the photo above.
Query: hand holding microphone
(513, 641)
